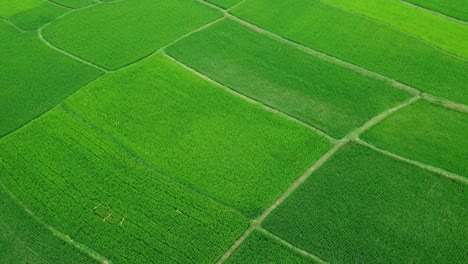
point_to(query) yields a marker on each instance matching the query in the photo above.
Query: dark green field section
(89, 188)
(224, 3)
(74, 3)
(24, 240)
(364, 42)
(260, 248)
(317, 92)
(30, 14)
(116, 34)
(34, 78)
(455, 9)
(199, 134)
(427, 133)
(362, 206)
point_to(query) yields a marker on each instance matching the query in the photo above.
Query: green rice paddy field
(233, 131)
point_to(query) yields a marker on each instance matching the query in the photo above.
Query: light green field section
(116, 34)
(199, 134)
(24, 240)
(224, 3)
(362, 206)
(456, 9)
(439, 31)
(34, 78)
(427, 133)
(260, 248)
(93, 190)
(75, 3)
(30, 14)
(317, 92)
(364, 42)
(10, 8)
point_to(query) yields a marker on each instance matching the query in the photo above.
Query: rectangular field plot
(363, 42)
(24, 240)
(260, 248)
(439, 31)
(427, 133)
(30, 14)
(312, 90)
(113, 35)
(199, 134)
(34, 78)
(362, 206)
(451, 8)
(92, 189)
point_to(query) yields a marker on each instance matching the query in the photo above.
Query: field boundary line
(445, 103)
(103, 70)
(436, 170)
(161, 50)
(353, 135)
(434, 12)
(373, 121)
(55, 232)
(236, 5)
(291, 246)
(387, 25)
(358, 69)
(298, 182)
(250, 100)
(66, 53)
(13, 25)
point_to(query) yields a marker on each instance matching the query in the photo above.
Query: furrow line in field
(353, 135)
(394, 28)
(436, 170)
(358, 69)
(65, 238)
(142, 162)
(250, 100)
(435, 12)
(291, 246)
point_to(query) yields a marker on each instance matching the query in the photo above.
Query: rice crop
(364, 42)
(362, 206)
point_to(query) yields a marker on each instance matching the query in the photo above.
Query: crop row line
(140, 160)
(67, 239)
(393, 28)
(291, 246)
(434, 12)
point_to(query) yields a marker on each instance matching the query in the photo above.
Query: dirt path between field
(299, 181)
